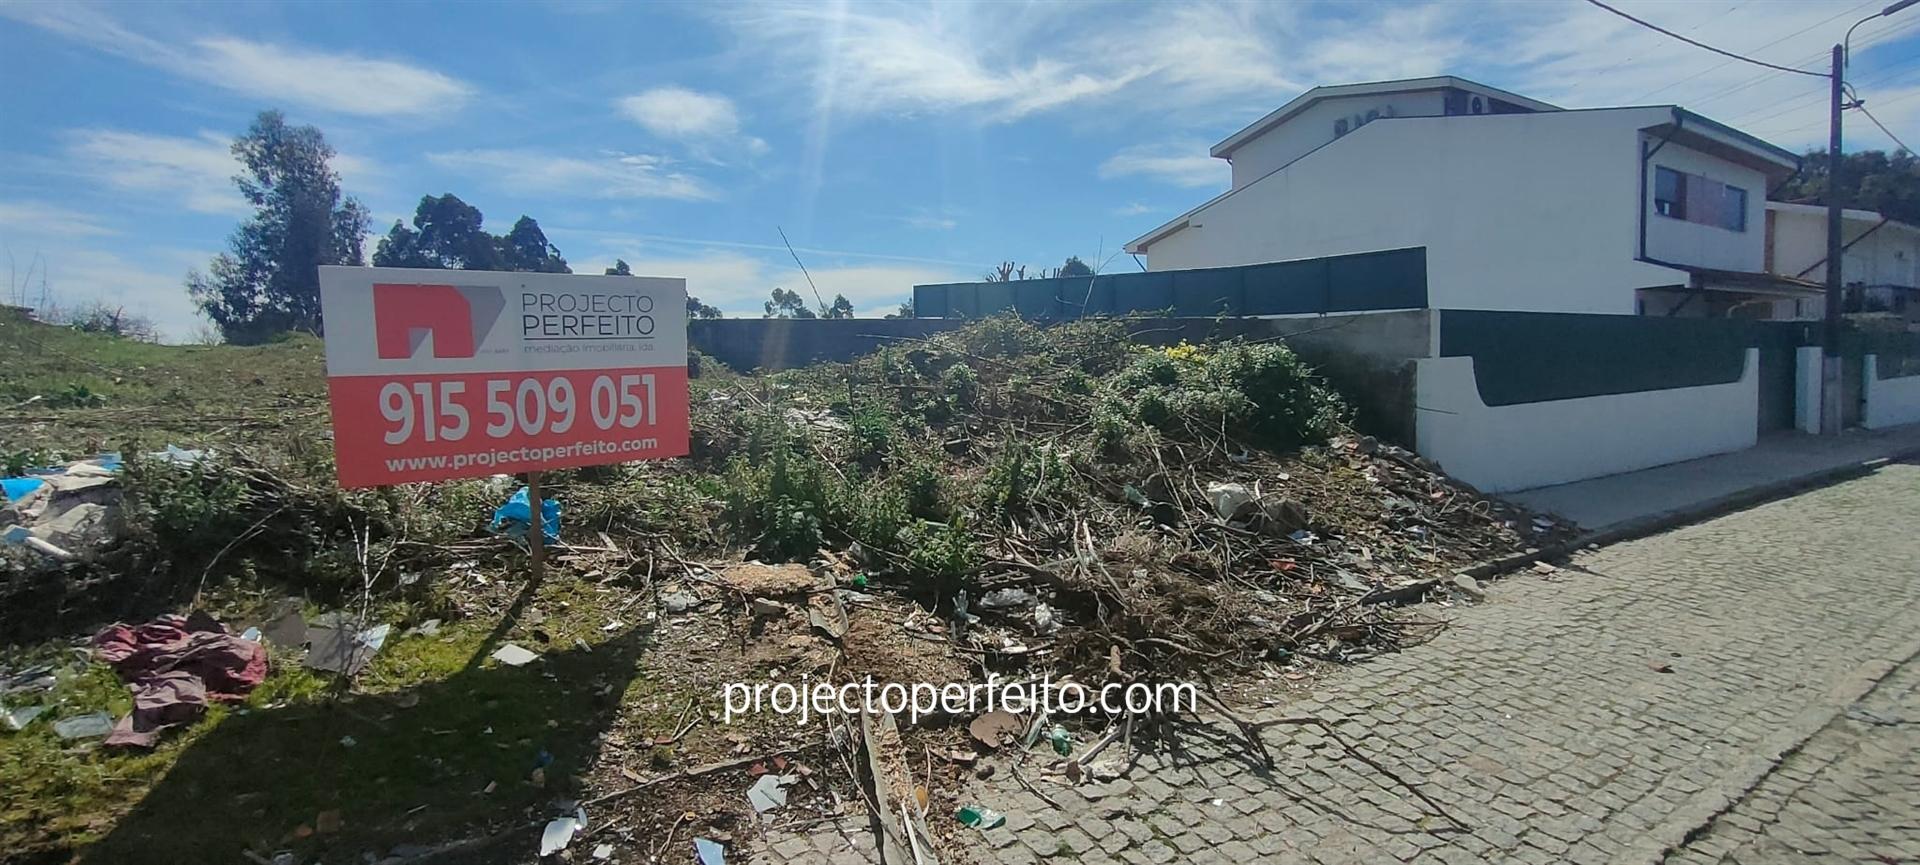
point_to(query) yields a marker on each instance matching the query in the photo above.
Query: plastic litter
(603, 851)
(995, 728)
(84, 727)
(18, 488)
(514, 656)
(709, 852)
(561, 830)
(770, 792)
(1062, 741)
(1043, 620)
(178, 455)
(1229, 500)
(1006, 599)
(980, 817)
(18, 719)
(513, 517)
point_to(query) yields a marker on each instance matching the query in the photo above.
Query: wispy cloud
(612, 175)
(913, 58)
(1132, 208)
(334, 81)
(1181, 163)
(703, 120)
(40, 219)
(195, 172)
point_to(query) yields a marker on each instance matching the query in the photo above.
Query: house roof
(1716, 279)
(1225, 149)
(1851, 214)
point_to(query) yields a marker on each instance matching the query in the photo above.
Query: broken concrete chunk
(1470, 586)
(514, 656)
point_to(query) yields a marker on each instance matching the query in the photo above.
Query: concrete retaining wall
(1525, 445)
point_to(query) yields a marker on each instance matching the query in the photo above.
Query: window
(1690, 197)
(1669, 193)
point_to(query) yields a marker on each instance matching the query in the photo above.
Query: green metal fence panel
(1524, 357)
(1287, 288)
(1209, 292)
(1389, 279)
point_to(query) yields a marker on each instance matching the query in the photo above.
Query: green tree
(840, 308)
(449, 234)
(905, 310)
(1074, 267)
(695, 309)
(1870, 180)
(525, 248)
(787, 304)
(268, 282)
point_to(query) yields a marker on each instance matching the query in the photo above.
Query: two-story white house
(1521, 205)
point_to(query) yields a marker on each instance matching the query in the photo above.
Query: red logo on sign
(405, 315)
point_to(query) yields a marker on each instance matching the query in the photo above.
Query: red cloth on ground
(176, 664)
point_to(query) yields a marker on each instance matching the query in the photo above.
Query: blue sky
(895, 143)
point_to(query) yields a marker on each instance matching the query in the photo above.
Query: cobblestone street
(1740, 690)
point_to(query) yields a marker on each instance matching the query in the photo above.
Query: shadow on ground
(410, 767)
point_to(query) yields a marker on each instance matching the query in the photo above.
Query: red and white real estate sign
(437, 374)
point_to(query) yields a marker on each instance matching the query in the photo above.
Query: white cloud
(1132, 208)
(197, 172)
(39, 219)
(334, 81)
(613, 175)
(739, 284)
(194, 173)
(1181, 163)
(703, 120)
(929, 220)
(909, 58)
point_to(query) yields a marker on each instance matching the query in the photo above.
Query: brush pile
(1069, 502)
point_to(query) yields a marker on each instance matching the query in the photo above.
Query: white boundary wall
(1889, 401)
(1515, 447)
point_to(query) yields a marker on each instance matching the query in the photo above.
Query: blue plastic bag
(17, 488)
(513, 517)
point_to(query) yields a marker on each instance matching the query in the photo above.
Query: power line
(1716, 66)
(1698, 44)
(1883, 127)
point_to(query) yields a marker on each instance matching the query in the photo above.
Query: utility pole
(1830, 384)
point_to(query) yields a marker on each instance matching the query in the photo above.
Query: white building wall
(1517, 211)
(1314, 126)
(1889, 256)
(1683, 242)
(1799, 243)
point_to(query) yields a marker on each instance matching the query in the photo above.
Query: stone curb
(1640, 527)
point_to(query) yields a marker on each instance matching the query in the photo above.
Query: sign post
(442, 374)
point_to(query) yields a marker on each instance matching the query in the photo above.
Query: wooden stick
(536, 532)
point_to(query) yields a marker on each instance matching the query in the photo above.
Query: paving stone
(1535, 718)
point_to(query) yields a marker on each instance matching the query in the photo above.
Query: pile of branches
(1157, 514)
